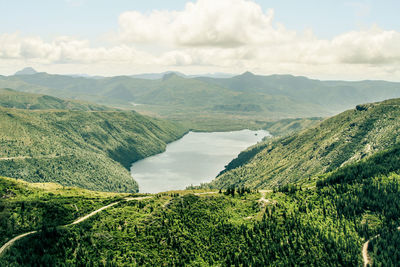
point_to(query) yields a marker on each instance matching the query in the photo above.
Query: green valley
(314, 194)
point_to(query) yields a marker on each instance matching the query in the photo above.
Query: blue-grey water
(195, 158)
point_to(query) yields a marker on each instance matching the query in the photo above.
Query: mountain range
(246, 97)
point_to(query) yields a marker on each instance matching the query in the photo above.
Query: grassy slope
(344, 138)
(13, 99)
(92, 150)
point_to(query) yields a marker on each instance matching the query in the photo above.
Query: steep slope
(334, 142)
(13, 99)
(91, 150)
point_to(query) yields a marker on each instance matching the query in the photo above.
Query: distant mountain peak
(26, 71)
(170, 75)
(247, 74)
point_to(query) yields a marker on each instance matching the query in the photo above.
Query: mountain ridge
(10, 98)
(279, 96)
(332, 143)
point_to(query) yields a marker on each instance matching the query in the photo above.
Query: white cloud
(374, 46)
(223, 35)
(65, 50)
(208, 23)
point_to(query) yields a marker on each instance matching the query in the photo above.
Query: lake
(195, 158)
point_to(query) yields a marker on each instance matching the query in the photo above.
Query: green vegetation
(323, 219)
(335, 186)
(368, 193)
(288, 126)
(337, 141)
(203, 102)
(217, 123)
(92, 150)
(192, 230)
(25, 207)
(13, 99)
(294, 225)
(384, 250)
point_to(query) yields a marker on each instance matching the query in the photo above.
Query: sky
(347, 40)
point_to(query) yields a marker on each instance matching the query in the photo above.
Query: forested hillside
(334, 142)
(297, 224)
(25, 206)
(13, 99)
(92, 150)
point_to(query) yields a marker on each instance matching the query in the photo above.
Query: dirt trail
(79, 220)
(17, 157)
(12, 241)
(33, 157)
(366, 258)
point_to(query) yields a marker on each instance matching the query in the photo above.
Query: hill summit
(26, 71)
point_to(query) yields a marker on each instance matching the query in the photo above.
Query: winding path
(79, 220)
(366, 259)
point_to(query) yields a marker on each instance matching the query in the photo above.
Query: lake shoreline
(195, 158)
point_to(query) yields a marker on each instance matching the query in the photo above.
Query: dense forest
(323, 219)
(25, 207)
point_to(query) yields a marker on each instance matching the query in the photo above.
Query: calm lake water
(195, 158)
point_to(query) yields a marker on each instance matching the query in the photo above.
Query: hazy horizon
(192, 75)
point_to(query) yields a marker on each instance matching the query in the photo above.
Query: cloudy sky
(328, 39)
